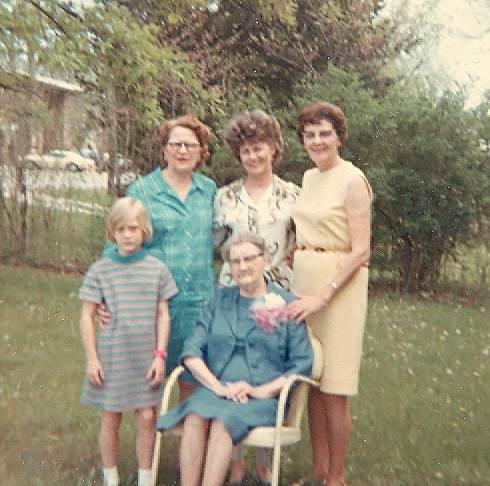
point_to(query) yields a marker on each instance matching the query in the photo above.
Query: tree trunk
(20, 179)
(407, 266)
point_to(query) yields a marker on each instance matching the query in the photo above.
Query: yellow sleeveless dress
(321, 230)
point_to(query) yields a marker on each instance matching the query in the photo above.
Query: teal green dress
(238, 418)
(182, 239)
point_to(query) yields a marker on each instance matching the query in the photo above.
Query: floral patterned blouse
(270, 217)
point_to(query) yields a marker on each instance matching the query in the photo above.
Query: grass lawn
(421, 418)
(93, 196)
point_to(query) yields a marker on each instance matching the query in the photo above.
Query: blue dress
(240, 418)
(131, 286)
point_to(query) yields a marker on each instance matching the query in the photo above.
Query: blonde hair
(121, 210)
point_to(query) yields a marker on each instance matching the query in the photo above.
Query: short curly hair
(192, 123)
(316, 112)
(254, 126)
(244, 237)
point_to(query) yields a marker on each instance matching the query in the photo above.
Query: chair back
(299, 395)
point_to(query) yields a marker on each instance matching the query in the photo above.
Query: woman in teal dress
(241, 366)
(180, 204)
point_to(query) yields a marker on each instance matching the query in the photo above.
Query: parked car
(122, 164)
(60, 159)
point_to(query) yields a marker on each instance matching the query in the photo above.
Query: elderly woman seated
(242, 350)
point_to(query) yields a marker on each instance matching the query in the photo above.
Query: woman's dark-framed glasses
(187, 145)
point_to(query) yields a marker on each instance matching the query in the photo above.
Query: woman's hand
(260, 392)
(224, 391)
(305, 305)
(240, 390)
(104, 315)
(95, 373)
(237, 391)
(156, 373)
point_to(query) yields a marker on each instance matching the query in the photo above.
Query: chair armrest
(284, 394)
(169, 385)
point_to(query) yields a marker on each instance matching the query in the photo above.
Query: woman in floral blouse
(262, 203)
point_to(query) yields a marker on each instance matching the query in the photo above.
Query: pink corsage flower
(269, 311)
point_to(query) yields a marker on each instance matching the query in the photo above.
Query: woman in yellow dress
(333, 221)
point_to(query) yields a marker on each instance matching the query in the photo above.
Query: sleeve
(299, 353)
(196, 344)
(91, 289)
(132, 191)
(290, 235)
(220, 229)
(167, 287)
(291, 228)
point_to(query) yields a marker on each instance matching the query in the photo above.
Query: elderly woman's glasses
(189, 146)
(245, 259)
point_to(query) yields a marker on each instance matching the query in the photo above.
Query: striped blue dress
(131, 286)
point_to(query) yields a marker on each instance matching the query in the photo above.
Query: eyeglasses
(323, 135)
(235, 262)
(189, 146)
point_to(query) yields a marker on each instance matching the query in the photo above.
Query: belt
(319, 249)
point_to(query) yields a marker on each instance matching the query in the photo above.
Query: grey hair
(243, 237)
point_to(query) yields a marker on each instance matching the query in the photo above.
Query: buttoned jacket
(284, 351)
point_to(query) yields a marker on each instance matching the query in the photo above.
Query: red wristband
(160, 353)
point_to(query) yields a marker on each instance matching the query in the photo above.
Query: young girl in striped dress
(126, 360)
